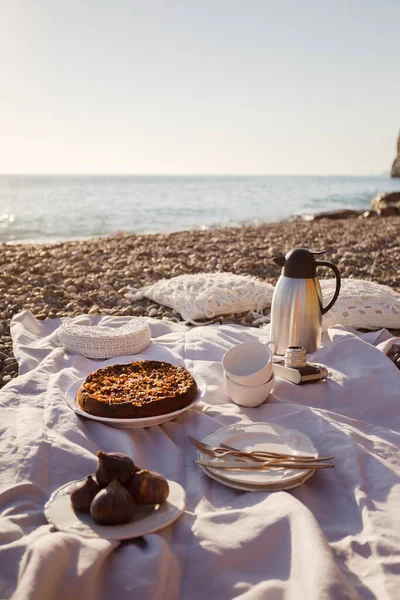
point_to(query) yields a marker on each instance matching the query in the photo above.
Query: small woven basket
(100, 341)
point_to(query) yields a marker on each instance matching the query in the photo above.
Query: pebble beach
(93, 276)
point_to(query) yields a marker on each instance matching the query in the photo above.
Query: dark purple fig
(148, 487)
(114, 465)
(113, 505)
(83, 494)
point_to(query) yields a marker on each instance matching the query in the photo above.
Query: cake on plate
(145, 388)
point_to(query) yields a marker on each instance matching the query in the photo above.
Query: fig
(83, 494)
(113, 505)
(114, 465)
(148, 487)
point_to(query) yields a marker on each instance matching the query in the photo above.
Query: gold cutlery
(220, 452)
(259, 456)
(301, 457)
(256, 466)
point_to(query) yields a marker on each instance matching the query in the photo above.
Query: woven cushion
(361, 304)
(207, 295)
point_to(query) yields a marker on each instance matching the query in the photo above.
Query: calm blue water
(54, 208)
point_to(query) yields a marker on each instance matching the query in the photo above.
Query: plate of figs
(120, 501)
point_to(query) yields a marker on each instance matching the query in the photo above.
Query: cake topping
(138, 389)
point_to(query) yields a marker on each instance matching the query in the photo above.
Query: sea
(47, 209)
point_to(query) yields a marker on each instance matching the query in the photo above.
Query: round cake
(146, 388)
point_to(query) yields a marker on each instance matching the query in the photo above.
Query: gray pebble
(9, 361)
(130, 281)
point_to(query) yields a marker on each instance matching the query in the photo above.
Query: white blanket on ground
(337, 536)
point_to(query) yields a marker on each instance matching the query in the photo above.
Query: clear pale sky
(199, 86)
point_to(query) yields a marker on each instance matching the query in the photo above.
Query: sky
(199, 86)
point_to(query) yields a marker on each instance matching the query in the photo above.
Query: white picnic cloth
(335, 537)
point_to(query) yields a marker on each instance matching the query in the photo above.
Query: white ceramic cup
(249, 395)
(249, 363)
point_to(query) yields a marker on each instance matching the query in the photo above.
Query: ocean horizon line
(100, 175)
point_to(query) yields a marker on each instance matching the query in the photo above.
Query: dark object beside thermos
(295, 368)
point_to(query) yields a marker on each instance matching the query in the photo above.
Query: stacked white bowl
(248, 372)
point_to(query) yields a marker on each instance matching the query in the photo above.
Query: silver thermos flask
(296, 312)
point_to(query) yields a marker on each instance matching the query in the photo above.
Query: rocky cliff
(395, 172)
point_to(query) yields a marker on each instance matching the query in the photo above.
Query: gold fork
(219, 452)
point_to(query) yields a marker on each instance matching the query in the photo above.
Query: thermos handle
(272, 346)
(325, 263)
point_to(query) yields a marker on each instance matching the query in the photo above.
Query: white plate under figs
(267, 437)
(72, 391)
(148, 519)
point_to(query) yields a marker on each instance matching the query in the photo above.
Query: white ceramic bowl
(249, 363)
(249, 395)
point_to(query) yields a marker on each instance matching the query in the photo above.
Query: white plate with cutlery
(277, 487)
(265, 437)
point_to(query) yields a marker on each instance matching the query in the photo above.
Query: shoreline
(330, 215)
(89, 276)
(31, 214)
(292, 218)
(303, 217)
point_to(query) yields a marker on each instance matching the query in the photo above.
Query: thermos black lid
(298, 263)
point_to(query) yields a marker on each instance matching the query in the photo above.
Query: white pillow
(207, 295)
(361, 304)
